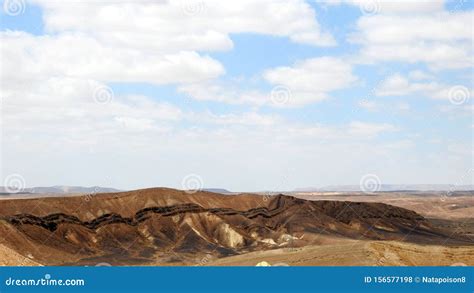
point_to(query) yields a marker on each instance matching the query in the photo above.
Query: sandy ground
(357, 253)
(9, 257)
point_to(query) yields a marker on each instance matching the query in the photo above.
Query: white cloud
(398, 85)
(185, 25)
(359, 128)
(246, 118)
(224, 93)
(305, 82)
(73, 55)
(151, 42)
(371, 106)
(442, 40)
(135, 124)
(312, 80)
(50, 118)
(466, 110)
(420, 75)
(65, 108)
(392, 7)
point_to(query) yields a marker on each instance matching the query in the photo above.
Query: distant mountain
(218, 190)
(63, 189)
(391, 187)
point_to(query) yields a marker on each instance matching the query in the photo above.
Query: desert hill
(171, 226)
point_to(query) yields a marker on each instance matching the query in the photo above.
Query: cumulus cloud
(153, 42)
(305, 82)
(185, 25)
(51, 116)
(420, 75)
(50, 81)
(398, 85)
(392, 7)
(67, 107)
(312, 80)
(224, 93)
(442, 40)
(78, 56)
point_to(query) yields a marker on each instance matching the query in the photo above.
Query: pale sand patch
(9, 257)
(357, 253)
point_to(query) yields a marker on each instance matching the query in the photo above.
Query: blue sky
(251, 96)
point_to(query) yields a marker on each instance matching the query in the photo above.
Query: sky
(243, 95)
